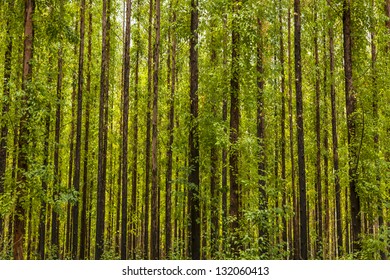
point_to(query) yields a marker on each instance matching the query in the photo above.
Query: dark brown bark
(234, 210)
(300, 131)
(295, 195)
(171, 119)
(351, 107)
(135, 142)
(261, 134)
(335, 152)
(214, 170)
(43, 210)
(77, 158)
(327, 230)
(85, 192)
(103, 127)
(318, 183)
(5, 110)
(283, 126)
(155, 244)
(224, 119)
(20, 211)
(193, 160)
(55, 226)
(125, 119)
(148, 128)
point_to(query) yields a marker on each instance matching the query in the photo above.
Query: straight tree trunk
(43, 210)
(20, 211)
(295, 195)
(155, 242)
(77, 158)
(55, 225)
(125, 119)
(5, 110)
(193, 160)
(318, 183)
(224, 119)
(148, 127)
(283, 126)
(171, 119)
(234, 210)
(103, 108)
(327, 230)
(83, 231)
(351, 103)
(339, 234)
(135, 142)
(300, 131)
(214, 169)
(261, 134)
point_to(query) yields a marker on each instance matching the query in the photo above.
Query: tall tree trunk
(214, 168)
(300, 131)
(282, 126)
(261, 133)
(351, 104)
(327, 230)
(135, 141)
(295, 196)
(339, 234)
(155, 244)
(318, 183)
(103, 114)
(55, 226)
(224, 119)
(148, 127)
(171, 119)
(193, 160)
(234, 210)
(125, 118)
(43, 210)
(5, 110)
(20, 211)
(77, 158)
(83, 230)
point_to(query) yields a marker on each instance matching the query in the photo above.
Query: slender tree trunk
(148, 127)
(283, 127)
(292, 157)
(339, 234)
(155, 244)
(135, 141)
(224, 119)
(125, 118)
(171, 118)
(300, 131)
(20, 211)
(351, 103)
(5, 110)
(43, 210)
(83, 231)
(234, 211)
(55, 226)
(214, 168)
(193, 160)
(318, 183)
(103, 113)
(77, 159)
(261, 134)
(327, 230)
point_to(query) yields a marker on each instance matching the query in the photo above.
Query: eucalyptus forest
(194, 129)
